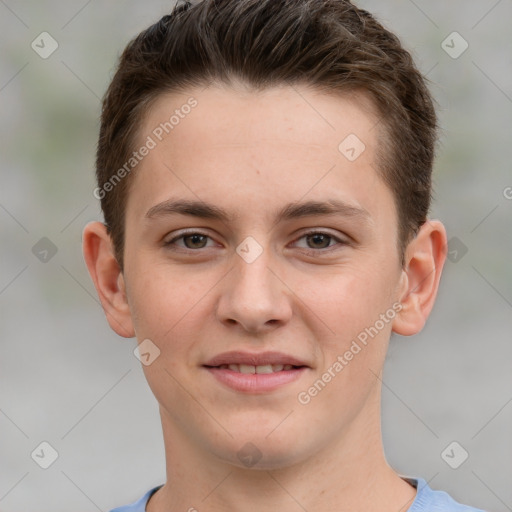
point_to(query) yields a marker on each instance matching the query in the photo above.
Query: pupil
(320, 236)
(195, 239)
(317, 239)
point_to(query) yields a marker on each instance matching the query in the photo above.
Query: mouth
(255, 373)
(260, 369)
(242, 359)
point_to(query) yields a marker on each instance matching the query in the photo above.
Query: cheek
(354, 353)
(170, 310)
(356, 307)
(164, 300)
(346, 300)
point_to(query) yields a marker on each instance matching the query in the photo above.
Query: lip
(254, 359)
(255, 383)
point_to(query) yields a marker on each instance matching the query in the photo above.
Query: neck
(351, 475)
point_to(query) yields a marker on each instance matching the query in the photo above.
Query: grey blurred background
(67, 380)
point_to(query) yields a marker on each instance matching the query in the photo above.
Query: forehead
(240, 146)
(295, 113)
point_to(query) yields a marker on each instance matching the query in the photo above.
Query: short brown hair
(330, 45)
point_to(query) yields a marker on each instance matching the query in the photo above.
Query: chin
(257, 452)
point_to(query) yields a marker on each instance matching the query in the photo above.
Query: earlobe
(107, 277)
(424, 261)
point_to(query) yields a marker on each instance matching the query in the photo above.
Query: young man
(264, 170)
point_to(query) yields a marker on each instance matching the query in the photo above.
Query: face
(288, 257)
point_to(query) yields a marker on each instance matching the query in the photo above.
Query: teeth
(246, 368)
(264, 368)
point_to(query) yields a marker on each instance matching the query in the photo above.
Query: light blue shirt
(426, 500)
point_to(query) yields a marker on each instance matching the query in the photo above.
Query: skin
(250, 154)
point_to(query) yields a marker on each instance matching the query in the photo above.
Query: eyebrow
(291, 211)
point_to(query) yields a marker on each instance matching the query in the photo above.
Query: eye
(318, 240)
(192, 239)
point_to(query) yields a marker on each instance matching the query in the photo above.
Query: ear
(107, 277)
(424, 259)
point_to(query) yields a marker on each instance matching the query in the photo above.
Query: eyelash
(341, 242)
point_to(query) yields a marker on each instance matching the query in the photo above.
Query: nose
(254, 296)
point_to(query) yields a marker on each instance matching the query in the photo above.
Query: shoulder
(428, 500)
(139, 505)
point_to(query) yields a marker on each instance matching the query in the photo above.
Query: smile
(255, 373)
(256, 380)
(260, 369)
